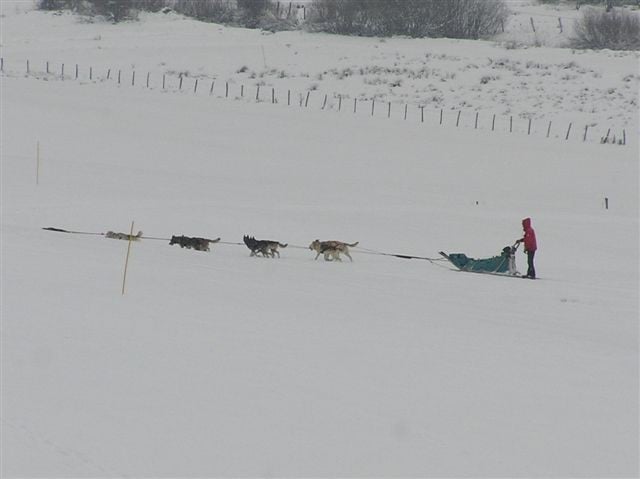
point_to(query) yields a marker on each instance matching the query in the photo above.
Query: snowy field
(221, 364)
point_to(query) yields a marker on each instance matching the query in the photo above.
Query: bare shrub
(208, 10)
(617, 29)
(416, 18)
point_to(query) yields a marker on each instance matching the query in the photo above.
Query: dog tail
(283, 245)
(354, 244)
(213, 240)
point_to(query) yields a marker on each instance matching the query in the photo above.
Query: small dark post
(163, 80)
(339, 102)
(373, 105)
(90, 73)
(195, 86)
(493, 122)
(458, 119)
(304, 12)
(306, 101)
(133, 78)
(148, 79)
(533, 27)
(568, 130)
(288, 97)
(108, 73)
(441, 116)
(549, 129)
(273, 95)
(560, 24)
(389, 110)
(510, 124)
(476, 123)
(76, 71)
(1, 64)
(119, 72)
(405, 110)
(241, 91)
(324, 103)
(586, 127)
(289, 12)
(62, 72)
(27, 66)
(606, 138)
(180, 86)
(529, 127)
(502, 25)
(226, 90)
(47, 67)
(606, 203)
(624, 136)
(258, 93)
(355, 103)
(213, 82)
(421, 114)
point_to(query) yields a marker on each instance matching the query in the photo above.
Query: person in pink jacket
(530, 246)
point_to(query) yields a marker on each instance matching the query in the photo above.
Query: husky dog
(123, 236)
(267, 248)
(199, 244)
(332, 249)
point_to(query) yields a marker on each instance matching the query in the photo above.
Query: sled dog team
(330, 250)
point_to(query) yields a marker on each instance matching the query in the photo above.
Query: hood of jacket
(526, 223)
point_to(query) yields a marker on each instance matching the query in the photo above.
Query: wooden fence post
(163, 80)
(241, 91)
(108, 73)
(458, 119)
(389, 110)
(624, 136)
(568, 130)
(148, 79)
(195, 86)
(441, 116)
(180, 86)
(273, 95)
(510, 124)
(421, 114)
(586, 127)
(1, 64)
(62, 72)
(288, 97)
(226, 90)
(533, 27)
(549, 129)
(213, 82)
(339, 102)
(373, 105)
(324, 103)
(90, 73)
(76, 71)
(47, 67)
(27, 67)
(493, 122)
(606, 203)
(126, 261)
(405, 110)
(306, 101)
(355, 103)
(258, 93)
(529, 127)
(476, 122)
(560, 24)
(133, 78)
(119, 72)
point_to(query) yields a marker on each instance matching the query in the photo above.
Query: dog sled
(501, 265)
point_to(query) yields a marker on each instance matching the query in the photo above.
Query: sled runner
(502, 265)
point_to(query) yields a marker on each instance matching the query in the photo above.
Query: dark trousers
(531, 270)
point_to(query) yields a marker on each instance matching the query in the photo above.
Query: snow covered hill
(220, 364)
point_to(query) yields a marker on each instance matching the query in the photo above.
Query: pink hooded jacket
(529, 238)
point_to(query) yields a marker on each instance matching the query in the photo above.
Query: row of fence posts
(305, 101)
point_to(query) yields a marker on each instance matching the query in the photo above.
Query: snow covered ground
(219, 364)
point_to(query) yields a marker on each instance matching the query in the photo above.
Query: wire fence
(312, 98)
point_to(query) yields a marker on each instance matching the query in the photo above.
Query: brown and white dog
(331, 249)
